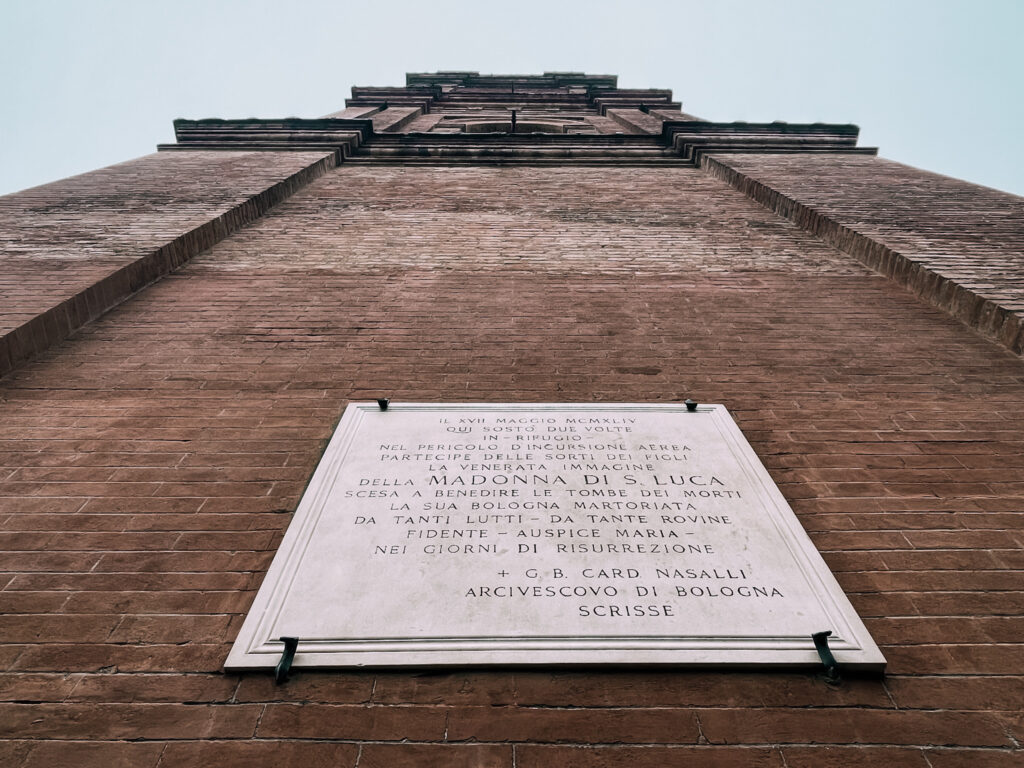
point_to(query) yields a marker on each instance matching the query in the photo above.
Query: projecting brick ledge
(154, 223)
(964, 253)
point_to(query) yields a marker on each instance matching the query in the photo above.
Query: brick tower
(180, 333)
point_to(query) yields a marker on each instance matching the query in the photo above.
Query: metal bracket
(691, 405)
(285, 664)
(820, 639)
(383, 403)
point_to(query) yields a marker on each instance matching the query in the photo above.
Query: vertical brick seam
(60, 321)
(986, 316)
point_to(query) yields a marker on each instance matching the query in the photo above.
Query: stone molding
(356, 139)
(695, 138)
(342, 136)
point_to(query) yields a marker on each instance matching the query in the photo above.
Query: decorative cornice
(546, 80)
(692, 139)
(344, 136)
(500, 148)
(634, 99)
(681, 142)
(421, 97)
(395, 110)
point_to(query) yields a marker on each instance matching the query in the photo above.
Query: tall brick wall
(149, 466)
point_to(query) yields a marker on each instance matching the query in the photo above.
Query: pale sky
(938, 85)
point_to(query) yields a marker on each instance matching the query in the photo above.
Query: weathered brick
(974, 758)
(334, 687)
(323, 721)
(448, 755)
(94, 721)
(573, 725)
(686, 689)
(853, 726)
(529, 756)
(854, 757)
(1003, 692)
(153, 688)
(16, 687)
(446, 688)
(241, 754)
(94, 754)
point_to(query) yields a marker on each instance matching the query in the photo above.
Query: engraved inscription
(475, 533)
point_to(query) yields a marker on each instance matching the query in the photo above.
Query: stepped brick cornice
(555, 117)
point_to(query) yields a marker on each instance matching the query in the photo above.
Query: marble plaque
(557, 533)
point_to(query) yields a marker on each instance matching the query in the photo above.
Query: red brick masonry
(150, 463)
(72, 250)
(957, 245)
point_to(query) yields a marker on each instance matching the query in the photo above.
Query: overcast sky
(939, 85)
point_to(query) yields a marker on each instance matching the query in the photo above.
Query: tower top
(554, 117)
(546, 80)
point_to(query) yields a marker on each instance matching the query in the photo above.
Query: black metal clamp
(820, 639)
(383, 403)
(691, 405)
(285, 664)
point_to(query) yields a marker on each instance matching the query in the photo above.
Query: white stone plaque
(557, 533)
